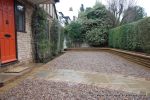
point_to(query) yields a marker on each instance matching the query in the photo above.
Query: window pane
(20, 17)
(20, 23)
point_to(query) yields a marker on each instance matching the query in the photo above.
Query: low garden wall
(139, 58)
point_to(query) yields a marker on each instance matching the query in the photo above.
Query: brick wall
(24, 39)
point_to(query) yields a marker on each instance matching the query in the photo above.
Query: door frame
(15, 33)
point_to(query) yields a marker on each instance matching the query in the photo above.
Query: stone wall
(24, 39)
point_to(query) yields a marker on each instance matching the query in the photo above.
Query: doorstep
(15, 72)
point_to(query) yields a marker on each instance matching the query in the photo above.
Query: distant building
(64, 20)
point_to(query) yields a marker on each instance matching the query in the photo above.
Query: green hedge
(134, 36)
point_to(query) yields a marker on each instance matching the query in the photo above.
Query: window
(20, 16)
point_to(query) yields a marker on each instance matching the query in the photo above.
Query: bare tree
(133, 14)
(116, 9)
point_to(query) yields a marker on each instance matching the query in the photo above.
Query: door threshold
(9, 63)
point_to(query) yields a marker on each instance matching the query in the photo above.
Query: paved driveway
(84, 76)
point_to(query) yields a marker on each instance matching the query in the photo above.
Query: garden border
(136, 57)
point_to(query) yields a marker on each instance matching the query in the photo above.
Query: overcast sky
(64, 5)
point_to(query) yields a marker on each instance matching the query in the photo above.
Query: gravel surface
(49, 90)
(102, 62)
(99, 62)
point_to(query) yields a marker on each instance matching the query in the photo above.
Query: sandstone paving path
(84, 76)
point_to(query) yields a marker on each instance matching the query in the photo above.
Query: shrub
(134, 36)
(97, 37)
(74, 33)
(95, 25)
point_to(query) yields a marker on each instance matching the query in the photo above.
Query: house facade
(16, 41)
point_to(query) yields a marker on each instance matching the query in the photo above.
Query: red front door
(7, 31)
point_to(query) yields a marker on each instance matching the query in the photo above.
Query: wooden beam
(41, 1)
(47, 1)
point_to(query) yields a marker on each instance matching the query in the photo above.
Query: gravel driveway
(49, 90)
(103, 62)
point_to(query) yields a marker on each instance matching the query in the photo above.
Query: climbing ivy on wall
(54, 36)
(45, 38)
(41, 41)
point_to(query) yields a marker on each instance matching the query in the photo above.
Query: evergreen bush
(134, 36)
